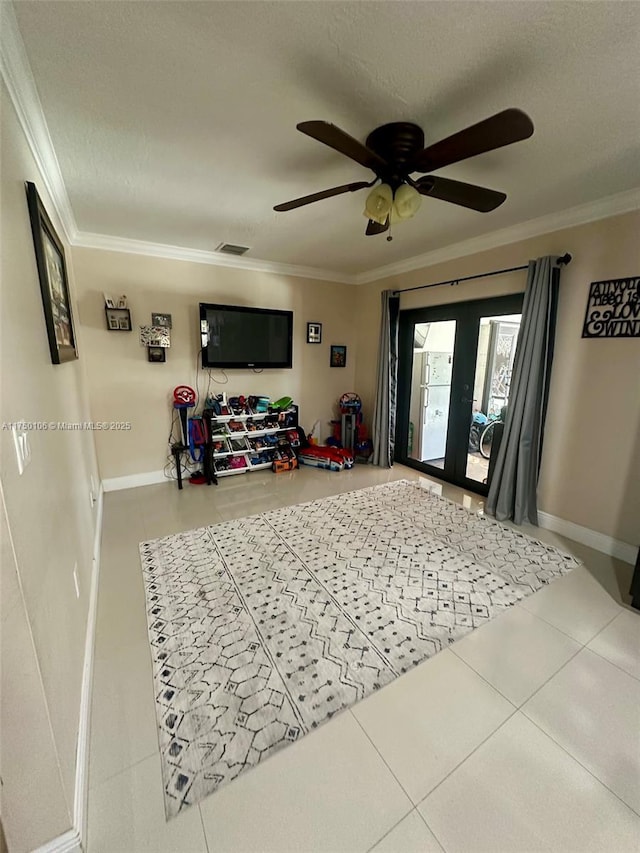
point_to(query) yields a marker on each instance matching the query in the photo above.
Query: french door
(454, 374)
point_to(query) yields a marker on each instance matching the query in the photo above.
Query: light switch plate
(23, 448)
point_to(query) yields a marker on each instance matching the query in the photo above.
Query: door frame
(467, 316)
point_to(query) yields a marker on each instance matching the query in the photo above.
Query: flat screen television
(236, 336)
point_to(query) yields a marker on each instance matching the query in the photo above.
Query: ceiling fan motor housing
(398, 143)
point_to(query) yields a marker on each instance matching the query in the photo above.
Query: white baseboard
(598, 541)
(75, 839)
(68, 842)
(150, 478)
(84, 727)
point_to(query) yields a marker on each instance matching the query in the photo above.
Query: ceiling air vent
(230, 249)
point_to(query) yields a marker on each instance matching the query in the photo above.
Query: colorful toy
(197, 438)
(197, 479)
(218, 404)
(349, 431)
(184, 397)
(330, 458)
(288, 464)
(239, 406)
(282, 404)
(350, 403)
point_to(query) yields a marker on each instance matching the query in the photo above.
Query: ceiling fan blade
(457, 192)
(501, 129)
(308, 199)
(340, 141)
(376, 228)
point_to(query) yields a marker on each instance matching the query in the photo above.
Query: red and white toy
(329, 458)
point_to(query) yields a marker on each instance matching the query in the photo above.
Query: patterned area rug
(263, 628)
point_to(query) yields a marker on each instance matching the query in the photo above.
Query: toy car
(288, 464)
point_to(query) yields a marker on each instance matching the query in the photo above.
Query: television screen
(235, 336)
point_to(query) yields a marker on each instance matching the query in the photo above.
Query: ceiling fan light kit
(382, 202)
(406, 202)
(378, 204)
(395, 151)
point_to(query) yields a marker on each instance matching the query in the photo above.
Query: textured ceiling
(175, 122)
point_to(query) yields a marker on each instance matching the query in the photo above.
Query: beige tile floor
(523, 736)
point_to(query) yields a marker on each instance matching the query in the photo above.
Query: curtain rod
(563, 259)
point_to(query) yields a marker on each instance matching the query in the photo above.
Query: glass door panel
(497, 338)
(454, 375)
(430, 391)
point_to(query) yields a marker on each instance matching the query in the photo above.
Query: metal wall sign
(613, 309)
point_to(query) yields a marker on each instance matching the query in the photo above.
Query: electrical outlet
(23, 448)
(75, 580)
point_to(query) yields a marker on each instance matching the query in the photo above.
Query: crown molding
(86, 240)
(18, 78)
(603, 208)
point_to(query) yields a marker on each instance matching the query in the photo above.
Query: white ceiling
(174, 122)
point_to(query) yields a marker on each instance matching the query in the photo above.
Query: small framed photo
(157, 354)
(163, 320)
(118, 319)
(108, 301)
(338, 357)
(314, 333)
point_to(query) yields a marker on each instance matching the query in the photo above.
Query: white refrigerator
(435, 387)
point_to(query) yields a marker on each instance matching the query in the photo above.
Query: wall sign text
(613, 309)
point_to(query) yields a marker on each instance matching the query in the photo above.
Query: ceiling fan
(395, 151)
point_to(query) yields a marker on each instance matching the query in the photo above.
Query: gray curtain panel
(384, 415)
(512, 493)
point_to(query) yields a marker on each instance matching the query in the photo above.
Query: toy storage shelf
(232, 471)
(223, 434)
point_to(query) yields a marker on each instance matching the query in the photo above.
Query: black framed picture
(338, 357)
(314, 333)
(162, 320)
(157, 354)
(118, 319)
(54, 283)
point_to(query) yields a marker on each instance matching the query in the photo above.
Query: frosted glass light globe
(379, 203)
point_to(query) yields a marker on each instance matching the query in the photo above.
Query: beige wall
(28, 748)
(124, 386)
(52, 529)
(591, 462)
